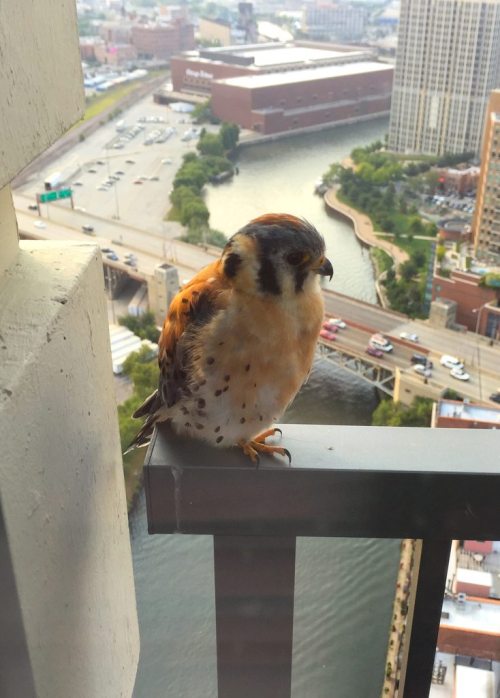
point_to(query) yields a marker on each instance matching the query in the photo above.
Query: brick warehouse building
(194, 71)
(281, 87)
(278, 102)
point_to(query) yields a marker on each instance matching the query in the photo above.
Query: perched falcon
(239, 338)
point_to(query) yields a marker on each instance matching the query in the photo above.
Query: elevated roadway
(482, 361)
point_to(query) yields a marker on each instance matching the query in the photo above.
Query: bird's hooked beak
(325, 268)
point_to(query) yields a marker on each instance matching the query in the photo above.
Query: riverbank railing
(434, 485)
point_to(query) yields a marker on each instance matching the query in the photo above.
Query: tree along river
(344, 587)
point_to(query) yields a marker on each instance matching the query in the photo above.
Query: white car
(380, 342)
(336, 322)
(422, 370)
(451, 362)
(409, 335)
(39, 224)
(460, 374)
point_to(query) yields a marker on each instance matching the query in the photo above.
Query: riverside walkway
(363, 227)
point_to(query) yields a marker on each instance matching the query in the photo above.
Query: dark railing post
(424, 615)
(254, 592)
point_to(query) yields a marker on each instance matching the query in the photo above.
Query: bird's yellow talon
(255, 446)
(269, 432)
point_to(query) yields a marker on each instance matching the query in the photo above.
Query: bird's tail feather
(149, 406)
(143, 436)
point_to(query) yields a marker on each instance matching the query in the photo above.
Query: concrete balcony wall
(40, 79)
(61, 477)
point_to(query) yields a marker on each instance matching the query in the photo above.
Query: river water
(344, 587)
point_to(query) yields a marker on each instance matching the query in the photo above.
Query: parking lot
(125, 170)
(451, 204)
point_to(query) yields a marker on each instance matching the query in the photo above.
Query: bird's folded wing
(191, 308)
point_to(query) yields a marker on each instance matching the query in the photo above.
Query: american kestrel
(239, 338)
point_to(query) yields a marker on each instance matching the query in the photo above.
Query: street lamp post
(478, 311)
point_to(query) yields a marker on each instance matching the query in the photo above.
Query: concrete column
(61, 475)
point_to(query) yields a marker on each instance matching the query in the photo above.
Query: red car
(329, 327)
(328, 334)
(373, 351)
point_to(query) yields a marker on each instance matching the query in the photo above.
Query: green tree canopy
(143, 326)
(229, 134)
(210, 144)
(394, 414)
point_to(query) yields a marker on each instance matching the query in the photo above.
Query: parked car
(130, 162)
(113, 256)
(101, 162)
(87, 228)
(336, 322)
(107, 250)
(138, 181)
(39, 224)
(78, 184)
(460, 374)
(91, 171)
(495, 397)
(451, 362)
(422, 370)
(373, 351)
(33, 207)
(131, 263)
(380, 342)
(328, 334)
(411, 336)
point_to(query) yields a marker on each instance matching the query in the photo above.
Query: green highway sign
(49, 196)
(54, 195)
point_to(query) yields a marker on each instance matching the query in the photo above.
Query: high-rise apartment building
(447, 63)
(334, 21)
(486, 223)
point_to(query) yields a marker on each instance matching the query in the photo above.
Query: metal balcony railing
(434, 485)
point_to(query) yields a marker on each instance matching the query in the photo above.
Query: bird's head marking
(276, 254)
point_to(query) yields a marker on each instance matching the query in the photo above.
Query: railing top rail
(340, 447)
(343, 481)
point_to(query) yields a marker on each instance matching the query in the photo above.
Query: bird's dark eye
(294, 258)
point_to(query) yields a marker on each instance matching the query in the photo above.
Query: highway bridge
(392, 374)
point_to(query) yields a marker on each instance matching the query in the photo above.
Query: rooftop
(462, 681)
(266, 56)
(468, 412)
(291, 55)
(483, 616)
(307, 75)
(457, 224)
